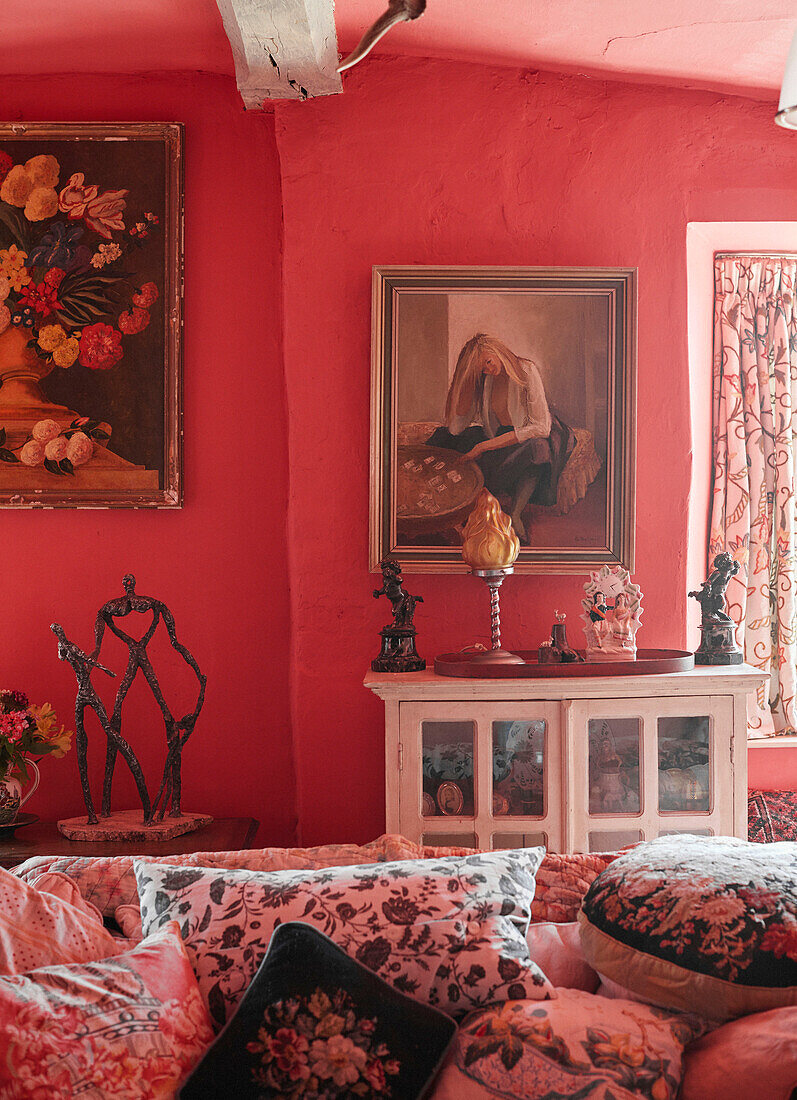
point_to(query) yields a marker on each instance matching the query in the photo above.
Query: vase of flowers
(26, 731)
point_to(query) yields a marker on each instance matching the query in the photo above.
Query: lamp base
(497, 657)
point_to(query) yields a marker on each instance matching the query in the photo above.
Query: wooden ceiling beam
(283, 49)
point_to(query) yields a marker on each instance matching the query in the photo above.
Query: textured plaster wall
(220, 562)
(418, 162)
(446, 163)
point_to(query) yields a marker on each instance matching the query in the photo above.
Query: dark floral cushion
(702, 923)
(450, 931)
(314, 1023)
(579, 1046)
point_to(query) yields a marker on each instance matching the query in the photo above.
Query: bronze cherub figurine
(717, 645)
(398, 639)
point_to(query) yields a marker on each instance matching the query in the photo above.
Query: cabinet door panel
(489, 770)
(644, 767)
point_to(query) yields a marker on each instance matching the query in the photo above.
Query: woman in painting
(497, 414)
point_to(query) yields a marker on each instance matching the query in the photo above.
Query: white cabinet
(577, 764)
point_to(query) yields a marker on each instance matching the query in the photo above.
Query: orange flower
(147, 296)
(624, 1049)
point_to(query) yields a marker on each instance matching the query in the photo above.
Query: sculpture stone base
(718, 645)
(129, 825)
(398, 651)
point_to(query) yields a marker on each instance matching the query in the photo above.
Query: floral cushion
(39, 928)
(449, 931)
(110, 883)
(128, 1027)
(703, 923)
(315, 1023)
(575, 1046)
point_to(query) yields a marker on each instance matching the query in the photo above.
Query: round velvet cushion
(706, 924)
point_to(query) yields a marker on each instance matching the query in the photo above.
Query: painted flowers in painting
(68, 290)
(319, 1047)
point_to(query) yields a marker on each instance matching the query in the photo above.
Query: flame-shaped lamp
(490, 547)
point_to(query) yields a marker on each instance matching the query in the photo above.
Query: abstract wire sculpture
(168, 797)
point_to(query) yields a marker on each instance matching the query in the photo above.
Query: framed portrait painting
(520, 380)
(90, 314)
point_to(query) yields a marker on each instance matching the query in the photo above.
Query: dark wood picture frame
(580, 324)
(91, 239)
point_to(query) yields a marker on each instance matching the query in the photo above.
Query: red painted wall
(419, 162)
(220, 562)
(448, 163)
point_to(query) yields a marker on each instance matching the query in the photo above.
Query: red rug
(771, 815)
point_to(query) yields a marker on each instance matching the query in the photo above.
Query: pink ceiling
(724, 44)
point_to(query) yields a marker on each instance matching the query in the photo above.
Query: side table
(224, 834)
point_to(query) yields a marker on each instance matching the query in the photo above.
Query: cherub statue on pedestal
(717, 644)
(612, 607)
(398, 639)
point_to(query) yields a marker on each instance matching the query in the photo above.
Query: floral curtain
(752, 514)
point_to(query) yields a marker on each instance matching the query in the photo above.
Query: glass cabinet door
(646, 767)
(484, 775)
(615, 765)
(519, 768)
(684, 752)
(447, 760)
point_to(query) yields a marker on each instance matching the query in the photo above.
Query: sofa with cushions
(662, 972)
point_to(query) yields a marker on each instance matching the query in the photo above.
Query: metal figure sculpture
(398, 639)
(169, 793)
(87, 696)
(717, 642)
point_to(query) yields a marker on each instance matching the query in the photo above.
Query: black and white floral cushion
(449, 932)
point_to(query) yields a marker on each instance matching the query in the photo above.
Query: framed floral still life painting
(90, 314)
(520, 380)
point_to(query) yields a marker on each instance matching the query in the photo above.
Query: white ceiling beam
(283, 49)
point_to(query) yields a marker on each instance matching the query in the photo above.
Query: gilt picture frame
(519, 379)
(91, 291)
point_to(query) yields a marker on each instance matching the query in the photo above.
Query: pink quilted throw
(40, 929)
(562, 882)
(109, 883)
(129, 1027)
